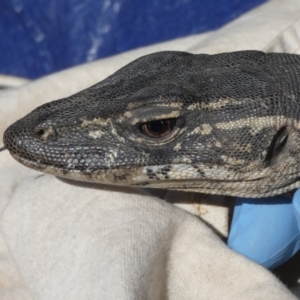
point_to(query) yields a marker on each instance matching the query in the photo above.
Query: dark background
(38, 37)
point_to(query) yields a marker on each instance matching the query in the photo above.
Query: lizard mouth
(139, 176)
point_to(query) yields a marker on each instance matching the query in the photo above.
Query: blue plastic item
(266, 230)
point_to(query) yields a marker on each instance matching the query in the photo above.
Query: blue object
(40, 37)
(266, 230)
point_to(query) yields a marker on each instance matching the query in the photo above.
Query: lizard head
(220, 124)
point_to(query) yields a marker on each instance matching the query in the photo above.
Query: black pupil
(157, 126)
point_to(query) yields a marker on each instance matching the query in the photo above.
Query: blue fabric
(40, 37)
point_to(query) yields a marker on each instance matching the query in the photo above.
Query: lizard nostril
(44, 133)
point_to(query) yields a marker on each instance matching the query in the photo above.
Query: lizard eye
(157, 128)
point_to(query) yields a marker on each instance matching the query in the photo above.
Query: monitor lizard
(224, 124)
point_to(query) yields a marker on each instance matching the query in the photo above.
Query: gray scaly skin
(220, 124)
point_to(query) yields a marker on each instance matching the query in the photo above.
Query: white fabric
(67, 240)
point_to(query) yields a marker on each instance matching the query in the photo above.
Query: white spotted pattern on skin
(193, 106)
(233, 161)
(171, 104)
(204, 129)
(221, 103)
(177, 147)
(95, 121)
(114, 132)
(260, 123)
(96, 134)
(183, 172)
(226, 101)
(218, 144)
(181, 160)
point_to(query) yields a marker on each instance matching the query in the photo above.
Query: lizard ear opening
(277, 144)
